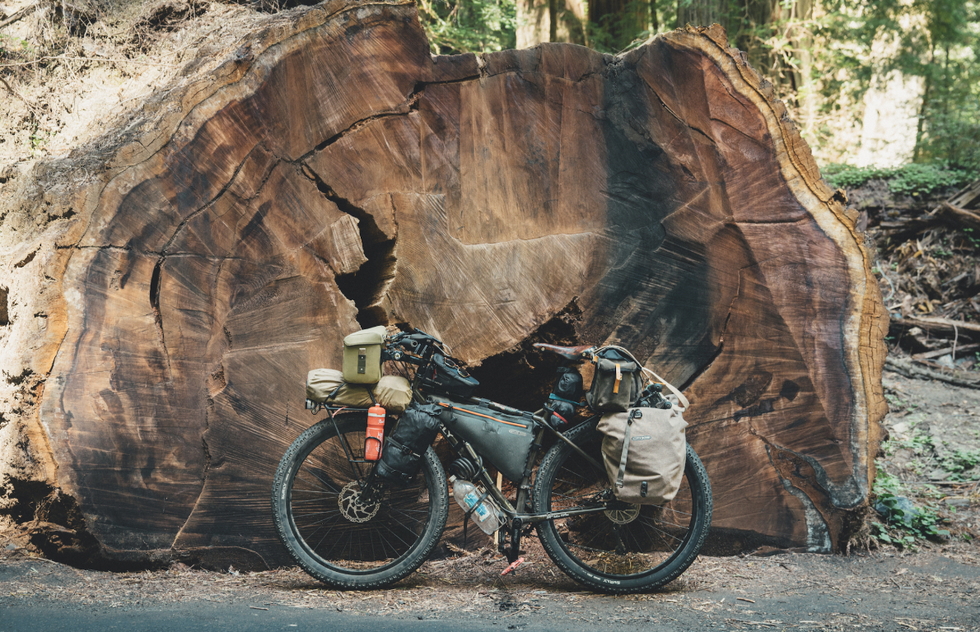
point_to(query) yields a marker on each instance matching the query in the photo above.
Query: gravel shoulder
(932, 588)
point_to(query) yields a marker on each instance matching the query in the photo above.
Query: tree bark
(330, 174)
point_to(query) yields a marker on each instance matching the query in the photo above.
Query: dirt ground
(932, 588)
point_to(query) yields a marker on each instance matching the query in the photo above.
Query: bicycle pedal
(513, 566)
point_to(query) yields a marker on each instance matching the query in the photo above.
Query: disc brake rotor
(351, 507)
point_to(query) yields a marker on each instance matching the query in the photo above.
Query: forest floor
(933, 587)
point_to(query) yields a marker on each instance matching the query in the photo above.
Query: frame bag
(503, 439)
(644, 451)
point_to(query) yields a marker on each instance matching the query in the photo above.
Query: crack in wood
(366, 286)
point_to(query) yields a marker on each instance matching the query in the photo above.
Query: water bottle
(486, 515)
(375, 434)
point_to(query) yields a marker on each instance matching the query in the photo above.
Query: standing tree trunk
(616, 22)
(702, 13)
(330, 174)
(540, 21)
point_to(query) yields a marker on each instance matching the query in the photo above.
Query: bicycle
(351, 529)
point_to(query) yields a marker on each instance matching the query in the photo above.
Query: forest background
(871, 83)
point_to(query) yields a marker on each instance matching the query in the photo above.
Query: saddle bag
(503, 440)
(362, 355)
(617, 381)
(404, 447)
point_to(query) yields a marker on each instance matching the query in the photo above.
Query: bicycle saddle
(569, 353)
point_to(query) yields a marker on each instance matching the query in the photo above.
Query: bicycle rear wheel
(332, 535)
(626, 548)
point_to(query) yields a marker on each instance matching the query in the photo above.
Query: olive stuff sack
(644, 451)
(362, 355)
(617, 380)
(404, 446)
(327, 386)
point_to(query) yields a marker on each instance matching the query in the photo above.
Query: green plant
(961, 465)
(913, 179)
(904, 522)
(465, 26)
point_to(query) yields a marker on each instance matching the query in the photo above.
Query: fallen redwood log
(330, 174)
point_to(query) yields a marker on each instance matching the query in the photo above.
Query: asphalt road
(203, 617)
(937, 589)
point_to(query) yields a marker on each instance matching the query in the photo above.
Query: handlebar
(415, 346)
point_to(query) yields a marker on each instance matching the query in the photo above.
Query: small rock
(897, 508)
(938, 475)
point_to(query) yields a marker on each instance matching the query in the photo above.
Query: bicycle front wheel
(626, 548)
(331, 534)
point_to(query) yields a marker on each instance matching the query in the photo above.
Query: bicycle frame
(516, 519)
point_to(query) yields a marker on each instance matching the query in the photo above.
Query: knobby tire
(628, 549)
(338, 541)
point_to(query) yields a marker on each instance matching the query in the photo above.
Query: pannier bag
(644, 450)
(404, 447)
(504, 440)
(362, 355)
(327, 386)
(617, 380)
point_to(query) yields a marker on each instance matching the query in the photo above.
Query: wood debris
(930, 278)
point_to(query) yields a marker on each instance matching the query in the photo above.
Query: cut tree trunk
(330, 175)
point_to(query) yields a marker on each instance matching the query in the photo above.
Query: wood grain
(331, 174)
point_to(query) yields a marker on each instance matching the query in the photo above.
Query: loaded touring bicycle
(361, 498)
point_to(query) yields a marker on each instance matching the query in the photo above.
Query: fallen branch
(17, 15)
(959, 216)
(908, 368)
(33, 108)
(935, 325)
(938, 353)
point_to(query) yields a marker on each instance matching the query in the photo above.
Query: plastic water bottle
(467, 495)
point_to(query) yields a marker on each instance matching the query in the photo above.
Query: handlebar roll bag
(327, 386)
